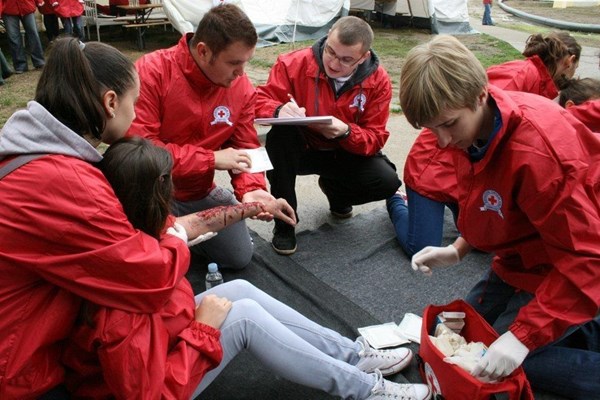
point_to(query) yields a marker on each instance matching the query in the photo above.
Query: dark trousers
(348, 179)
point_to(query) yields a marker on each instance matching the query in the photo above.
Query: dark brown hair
(140, 174)
(551, 49)
(75, 77)
(579, 91)
(223, 25)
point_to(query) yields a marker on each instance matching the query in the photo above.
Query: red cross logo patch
(221, 115)
(492, 201)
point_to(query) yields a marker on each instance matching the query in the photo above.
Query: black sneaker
(338, 212)
(284, 239)
(341, 213)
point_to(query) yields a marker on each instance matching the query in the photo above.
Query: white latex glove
(179, 231)
(201, 238)
(432, 256)
(504, 356)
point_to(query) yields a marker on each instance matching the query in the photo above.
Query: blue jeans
(232, 248)
(419, 223)
(569, 367)
(487, 15)
(17, 50)
(288, 343)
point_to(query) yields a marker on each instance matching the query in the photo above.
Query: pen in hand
(295, 110)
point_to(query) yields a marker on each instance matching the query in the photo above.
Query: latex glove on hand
(179, 231)
(431, 257)
(201, 238)
(504, 356)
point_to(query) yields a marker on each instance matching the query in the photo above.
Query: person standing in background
(14, 13)
(5, 70)
(50, 19)
(71, 15)
(487, 13)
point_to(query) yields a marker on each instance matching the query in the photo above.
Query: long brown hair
(140, 174)
(551, 49)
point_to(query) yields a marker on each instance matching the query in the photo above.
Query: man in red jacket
(197, 102)
(339, 76)
(16, 12)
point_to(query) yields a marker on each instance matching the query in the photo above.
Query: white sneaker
(386, 390)
(387, 361)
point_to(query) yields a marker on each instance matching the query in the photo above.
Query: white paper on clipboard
(322, 119)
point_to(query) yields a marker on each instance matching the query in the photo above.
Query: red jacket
(142, 356)
(19, 7)
(46, 8)
(588, 113)
(430, 172)
(529, 75)
(532, 201)
(180, 109)
(68, 8)
(364, 104)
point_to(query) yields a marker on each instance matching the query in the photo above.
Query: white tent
(441, 16)
(275, 20)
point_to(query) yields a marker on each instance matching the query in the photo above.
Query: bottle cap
(212, 267)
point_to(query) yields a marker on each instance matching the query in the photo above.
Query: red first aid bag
(451, 382)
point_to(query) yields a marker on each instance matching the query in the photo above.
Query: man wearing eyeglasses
(339, 76)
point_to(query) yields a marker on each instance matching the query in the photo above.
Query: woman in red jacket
(527, 187)
(181, 349)
(428, 172)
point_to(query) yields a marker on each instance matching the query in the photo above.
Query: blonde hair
(438, 75)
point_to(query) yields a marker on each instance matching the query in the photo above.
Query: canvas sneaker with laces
(388, 362)
(386, 390)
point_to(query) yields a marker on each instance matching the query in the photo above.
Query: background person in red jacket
(527, 187)
(71, 15)
(198, 103)
(50, 19)
(14, 13)
(582, 99)
(487, 13)
(339, 75)
(182, 348)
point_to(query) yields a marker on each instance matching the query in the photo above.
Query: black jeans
(348, 179)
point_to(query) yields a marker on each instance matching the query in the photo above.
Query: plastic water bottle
(214, 277)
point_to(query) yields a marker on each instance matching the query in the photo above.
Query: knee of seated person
(244, 308)
(242, 287)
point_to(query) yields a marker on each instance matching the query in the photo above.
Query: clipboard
(323, 119)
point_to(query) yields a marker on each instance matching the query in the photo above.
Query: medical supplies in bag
(451, 382)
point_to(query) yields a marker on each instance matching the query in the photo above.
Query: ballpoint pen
(292, 100)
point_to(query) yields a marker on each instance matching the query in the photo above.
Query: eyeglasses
(344, 61)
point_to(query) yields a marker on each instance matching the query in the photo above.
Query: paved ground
(313, 207)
